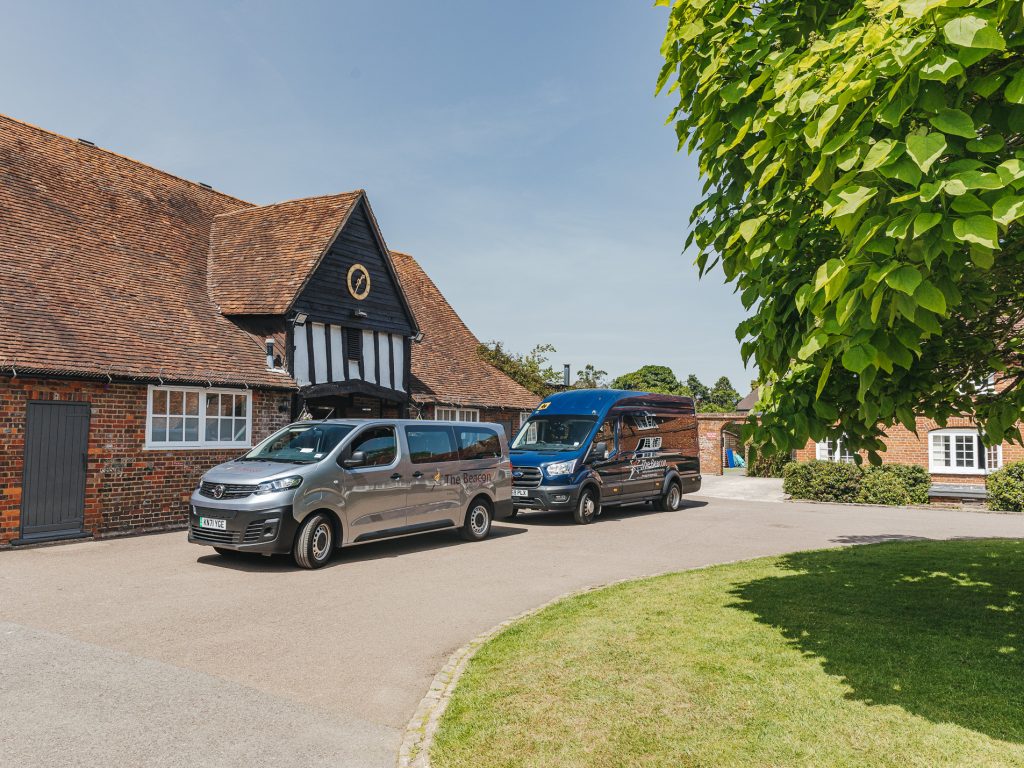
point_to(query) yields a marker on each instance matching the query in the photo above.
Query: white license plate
(214, 523)
(520, 492)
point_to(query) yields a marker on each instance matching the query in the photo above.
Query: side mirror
(600, 450)
(357, 459)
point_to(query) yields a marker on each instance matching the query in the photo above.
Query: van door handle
(417, 474)
(396, 476)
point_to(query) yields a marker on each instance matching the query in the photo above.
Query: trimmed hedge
(892, 484)
(759, 465)
(1006, 488)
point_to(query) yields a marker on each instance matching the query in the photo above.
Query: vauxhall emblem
(218, 491)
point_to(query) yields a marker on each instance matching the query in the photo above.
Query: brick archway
(709, 435)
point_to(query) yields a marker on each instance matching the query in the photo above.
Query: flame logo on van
(437, 476)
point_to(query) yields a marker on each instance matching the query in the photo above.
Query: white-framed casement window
(833, 450)
(195, 417)
(456, 414)
(523, 416)
(961, 452)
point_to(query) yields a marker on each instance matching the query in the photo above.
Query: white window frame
(936, 468)
(523, 417)
(450, 413)
(839, 453)
(202, 443)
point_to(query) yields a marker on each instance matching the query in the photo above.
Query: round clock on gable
(358, 282)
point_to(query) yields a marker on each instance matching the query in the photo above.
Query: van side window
(379, 445)
(606, 434)
(477, 443)
(430, 444)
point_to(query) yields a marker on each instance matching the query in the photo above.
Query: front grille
(214, 537)
(529, 477)
(230, 491)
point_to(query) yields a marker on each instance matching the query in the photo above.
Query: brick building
(152, 327)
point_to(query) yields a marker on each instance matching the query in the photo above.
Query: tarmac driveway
(152, 651)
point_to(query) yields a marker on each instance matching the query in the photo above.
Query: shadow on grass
(936, 628)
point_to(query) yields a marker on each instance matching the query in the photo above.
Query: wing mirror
(600, 450)
(357, 459)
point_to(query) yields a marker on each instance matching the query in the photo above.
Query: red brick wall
(496, 415)
(709, 435)
(127, 487)
(904, 447)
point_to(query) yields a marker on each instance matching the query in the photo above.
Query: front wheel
(478, 522)
(588, 507)
(314, 543)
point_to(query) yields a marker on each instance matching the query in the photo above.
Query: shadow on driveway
(607, 513)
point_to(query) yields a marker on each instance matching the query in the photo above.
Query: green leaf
(749, 227)
(979, 180)
(915, 9)
(857, 358)
(993, 142)
(982, 257)
(812, 345)
(823, 378)
(879, 154)
(955, 122)
(922, 223)
(941, 67)
(1008, 209)
(848, 201)
(970, 203)
(973, 32)
(977, 229)
(1014, 92)
(925, 149)
(905, 279)
(930, 297)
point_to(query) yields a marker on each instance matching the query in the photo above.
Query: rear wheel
(588, 507)
(672, 497)
(314, 543)
(478, 521)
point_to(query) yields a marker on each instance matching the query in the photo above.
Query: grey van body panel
(369, 503)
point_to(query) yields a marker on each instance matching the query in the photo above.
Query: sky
(516, 149)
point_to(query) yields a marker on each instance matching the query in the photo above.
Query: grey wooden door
(53, 485)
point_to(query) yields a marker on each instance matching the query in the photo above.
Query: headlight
(279, 485)
(560, 468)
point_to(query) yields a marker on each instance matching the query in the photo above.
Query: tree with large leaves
(864, 189)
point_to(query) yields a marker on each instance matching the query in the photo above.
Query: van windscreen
(299, 443)
(554, 433)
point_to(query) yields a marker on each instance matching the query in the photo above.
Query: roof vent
(205, 186)
(86, 142)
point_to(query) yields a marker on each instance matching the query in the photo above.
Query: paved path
(742, 488)
(152, 651)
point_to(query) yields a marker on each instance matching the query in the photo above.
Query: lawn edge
(419, 733)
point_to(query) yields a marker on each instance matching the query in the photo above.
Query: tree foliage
(864, 189)
(532, 370)
(590, 377)
(651, 378)
(722, 397)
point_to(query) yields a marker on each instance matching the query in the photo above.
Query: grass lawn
(896, 654)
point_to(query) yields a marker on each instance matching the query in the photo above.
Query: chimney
(565, 374)
(270, 354)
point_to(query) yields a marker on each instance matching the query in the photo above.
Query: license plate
(214, 523)
(520, 492)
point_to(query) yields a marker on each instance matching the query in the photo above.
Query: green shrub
(759, 465)
(880, 487)
(915, 479)
(1006, 488)
(822, 481)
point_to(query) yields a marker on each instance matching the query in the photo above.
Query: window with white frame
(523, 416)
(961, 452)
(456, 414)
(834, 450)
(193, 417)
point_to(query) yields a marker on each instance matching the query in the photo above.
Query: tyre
(672, 498)
(314, 543)
(478, 521)
(587, 507)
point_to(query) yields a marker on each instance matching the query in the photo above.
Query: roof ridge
(118, 155)
(254, 208)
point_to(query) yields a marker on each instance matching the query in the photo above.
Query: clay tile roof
(449, 346)
(103, 268)
(261, 257)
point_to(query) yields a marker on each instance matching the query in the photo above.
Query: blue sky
(516, 149)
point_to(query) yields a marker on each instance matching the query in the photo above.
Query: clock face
(358, 282)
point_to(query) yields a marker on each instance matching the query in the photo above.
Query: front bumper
(548, 497)
(266, 531)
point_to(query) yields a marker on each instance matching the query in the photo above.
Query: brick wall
(904, 447)
(709, 435)
(127, 487)
(504, 416)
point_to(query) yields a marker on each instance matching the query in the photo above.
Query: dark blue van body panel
(651, 442)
